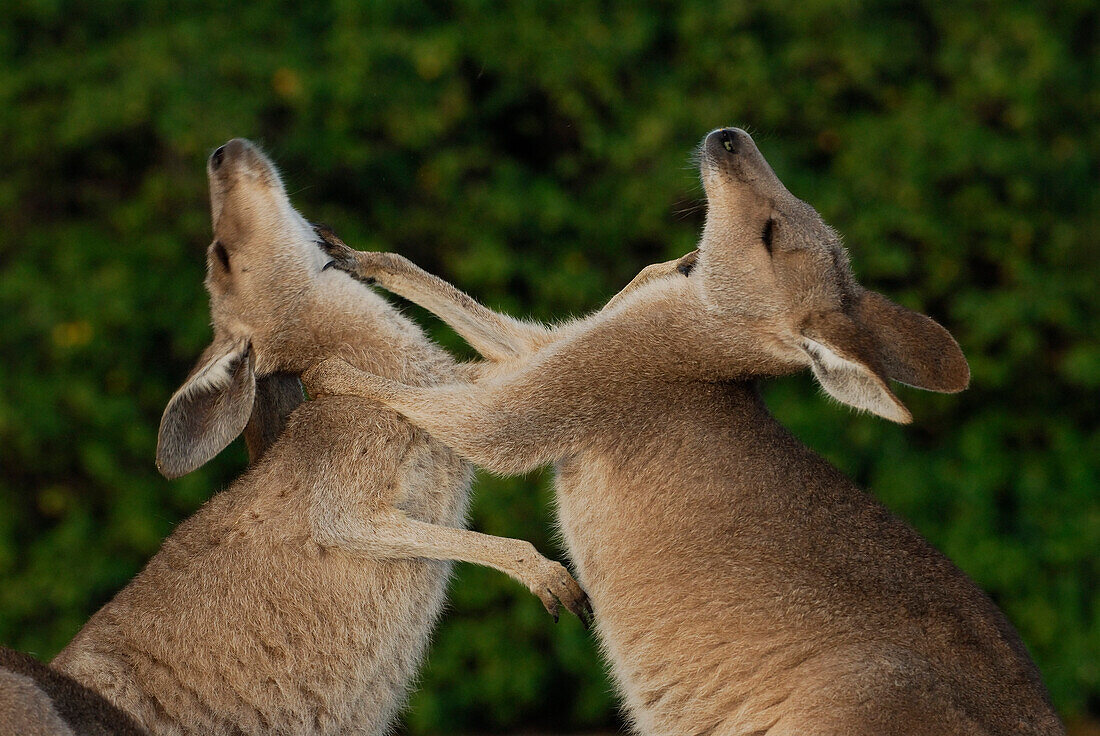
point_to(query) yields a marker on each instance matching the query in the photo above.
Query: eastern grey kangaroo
(301, 598)
(741, 584)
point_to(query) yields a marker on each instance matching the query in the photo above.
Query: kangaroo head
(261, 273)
(767, 257)
(263, 264)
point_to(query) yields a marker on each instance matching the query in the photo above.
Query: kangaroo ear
(209, 410)
(914, 349)
(844, 361)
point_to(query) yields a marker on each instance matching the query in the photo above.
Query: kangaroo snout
(240, 156)
(217, 157)
(726, 141)
(222, 159)
(731, 156)
(239, 170)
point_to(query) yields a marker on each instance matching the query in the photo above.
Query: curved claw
(344, 257)
(560, 586)
(687, 263)
(583, 611)
(550, 603)
(581, 607)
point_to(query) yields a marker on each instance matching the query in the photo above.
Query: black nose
(729, 140)
(217, 156)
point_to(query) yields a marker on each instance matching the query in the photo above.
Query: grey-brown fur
(37, 700)
(300, 599)
(741, 584)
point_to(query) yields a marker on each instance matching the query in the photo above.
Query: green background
(538, 154)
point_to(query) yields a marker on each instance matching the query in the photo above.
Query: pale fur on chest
(718, 620)
(677, 672)
(674, 676)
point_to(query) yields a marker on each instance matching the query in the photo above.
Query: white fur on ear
(209, 410)
(215, 376)
(853, 383)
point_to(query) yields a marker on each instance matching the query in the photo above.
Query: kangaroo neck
(671, 331)
(348, 320)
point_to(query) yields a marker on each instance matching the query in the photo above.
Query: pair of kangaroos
(741, 584)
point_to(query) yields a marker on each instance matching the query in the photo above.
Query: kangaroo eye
(221, 254)
(769, 232)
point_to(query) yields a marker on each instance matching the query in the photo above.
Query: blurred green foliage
(538, 154)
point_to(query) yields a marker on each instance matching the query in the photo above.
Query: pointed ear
(209, 410)
(844, 361)
(914, 349)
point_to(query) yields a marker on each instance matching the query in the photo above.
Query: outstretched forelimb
(502, 426)
(393, 535)
(494, 335)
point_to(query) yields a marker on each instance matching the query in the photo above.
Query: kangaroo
(741, 584)
(301, 598)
